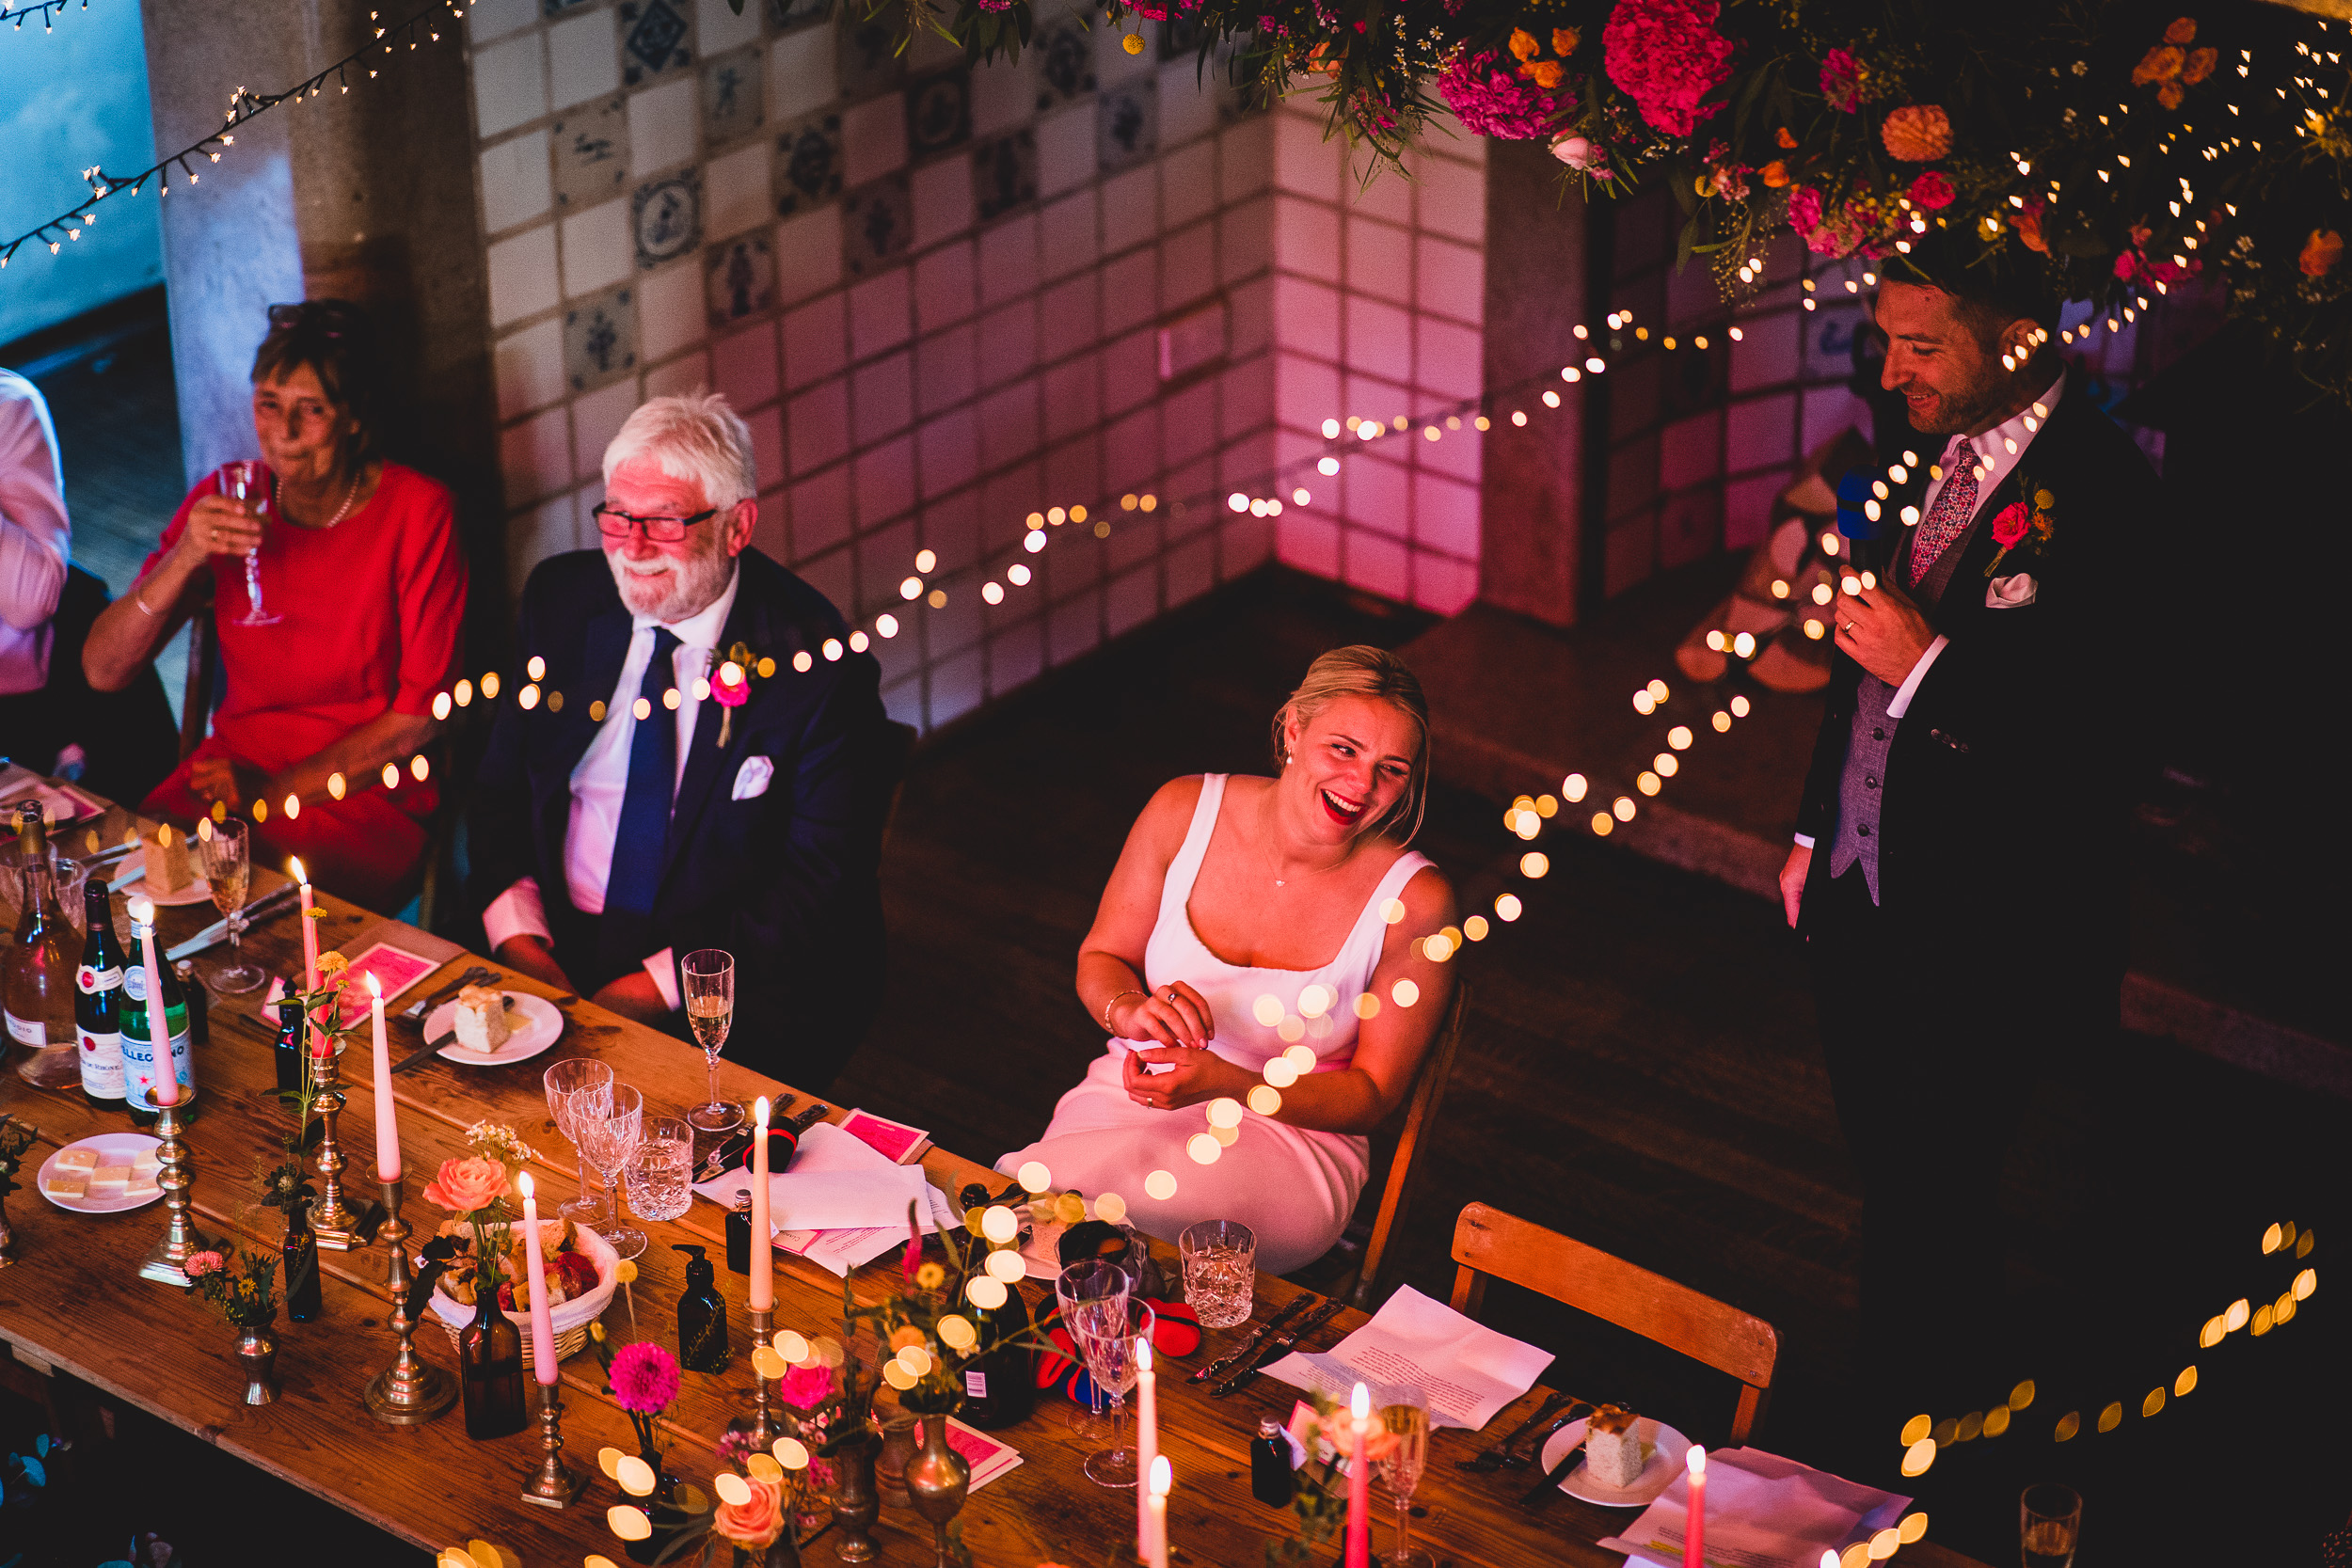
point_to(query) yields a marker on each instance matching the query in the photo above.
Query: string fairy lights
(48, 10)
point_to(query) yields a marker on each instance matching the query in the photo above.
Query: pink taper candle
(386, 1118)
(1155, 1510)
(158, 1026)
(1147, 1441)
(542, 1325)
(763, 1290)
(310, 950)
(1359, 1479)
(1694, 1530)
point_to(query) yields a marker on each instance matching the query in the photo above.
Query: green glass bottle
(138, 1047)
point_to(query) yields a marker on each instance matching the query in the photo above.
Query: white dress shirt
(36, 537)
(601, 780)
(1999, 452)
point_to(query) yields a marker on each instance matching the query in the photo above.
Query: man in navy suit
(648, 794)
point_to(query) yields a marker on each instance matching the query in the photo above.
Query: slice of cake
(481, 1017)
(146, 1162)
(1613, 1453)
(80, 1158)
(169, 865)
(142, 1184)
(109, 1181)
(67, 1183)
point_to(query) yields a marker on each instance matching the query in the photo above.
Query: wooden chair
(196, 691)
(1489, 1243)
(1413, 1128)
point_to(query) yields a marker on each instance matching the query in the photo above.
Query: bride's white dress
(1294, 1188)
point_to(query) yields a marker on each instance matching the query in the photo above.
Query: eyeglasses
(616, 524)
(329, 318)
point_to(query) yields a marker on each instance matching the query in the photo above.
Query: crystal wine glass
(236, 480)
(1090, 1279)
(228, 849)
(1108, 1333)
(1408, 1423)
(571, 1085)
(609, 1138)
(711, 1010)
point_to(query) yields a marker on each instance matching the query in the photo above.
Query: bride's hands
(1173, 1014)
(1199, 1075)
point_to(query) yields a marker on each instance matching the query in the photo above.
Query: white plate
(533, 1023)
(122, 1144)
(1661, 1444)
(197, 892)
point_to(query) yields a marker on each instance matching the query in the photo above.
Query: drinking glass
(571, 1084)
(1408, 1422)
(661, 1177)
(1220, 1270)
(228, 849)
(236, 478)
(1091, 1279)
(2050, 1523)
(709, 1011)
(1107, 1332)
(609, 1138)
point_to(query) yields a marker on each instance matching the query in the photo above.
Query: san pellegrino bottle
(138, 1047)
(36, 974)
(97, 1001)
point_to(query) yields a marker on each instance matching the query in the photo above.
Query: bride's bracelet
(1114, 1002)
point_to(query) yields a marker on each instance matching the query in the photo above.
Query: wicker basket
(570, 1320)
(567, 1341)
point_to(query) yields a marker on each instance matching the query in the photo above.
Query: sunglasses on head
(330, 318)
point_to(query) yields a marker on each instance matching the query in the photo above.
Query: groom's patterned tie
(1954, 505)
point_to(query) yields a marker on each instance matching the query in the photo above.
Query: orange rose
(2028, 226)
(2199, 65)
(1544, 73)
(1774, 174)
(2321, 253)
(464, 1185)
(1787, 141)
(2184, 30)
(2169, 95)
(756, 1523)
(1523, 44)
(1565, 39)
(2160, 64)
(1918, 133)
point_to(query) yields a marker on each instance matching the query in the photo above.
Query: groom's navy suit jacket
(785, 880)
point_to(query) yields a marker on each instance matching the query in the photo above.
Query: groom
(1958, 872)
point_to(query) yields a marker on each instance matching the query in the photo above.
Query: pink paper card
(395, 969)
(895, 1140)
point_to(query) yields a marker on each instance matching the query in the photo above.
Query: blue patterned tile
(876, 225)
(590, 145)
(869, 58)
(1065, 52)
(787, 16)
(666, 216)
(739, 280)
(939, 114)
(1127, 124)
(807, 166)
(600, 339)
(656, 37)
(1004, 173)
(734, 98)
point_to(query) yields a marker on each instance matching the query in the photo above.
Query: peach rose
(1918, 133)
(2321, 253)
(462, 1186)
(756, 1523)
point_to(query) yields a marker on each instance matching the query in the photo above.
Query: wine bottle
(97, 1001)
(139, 1042)
(36, 974)
(300, 1252)
(490, 1368)
(199, 1002)
(289, 1052)
(1000, 1383)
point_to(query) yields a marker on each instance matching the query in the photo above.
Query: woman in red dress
(359, 564)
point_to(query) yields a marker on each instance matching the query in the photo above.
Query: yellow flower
(1133, 43)
(1565, 39)
(906, 1335)
(1523, 44)
(930, 1277)
(2043, 500)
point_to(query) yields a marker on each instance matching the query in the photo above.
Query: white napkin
(835, 1183)
(1466, 1371)
(1763, 1512)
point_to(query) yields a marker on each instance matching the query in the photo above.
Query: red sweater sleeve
(431, 582)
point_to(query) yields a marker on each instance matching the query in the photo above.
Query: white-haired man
(646, 806)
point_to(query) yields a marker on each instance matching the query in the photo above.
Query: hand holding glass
(709, 974)
(228, 866)
(236, 478)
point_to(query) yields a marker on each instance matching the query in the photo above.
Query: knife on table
(473, 977)
(1278, 1348)
(1242, 1352)
(217, 931)
(447, 1036)
(1494, 1457)
(1549, 1488)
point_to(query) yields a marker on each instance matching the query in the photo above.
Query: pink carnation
(644, 1379)
(1933, 191)
(1665, 54)
(1842, 80)
(805, 1388)
(1805, 209)
(2126, 266)
(201, 1263)
(2010, 527)
(1493, 101)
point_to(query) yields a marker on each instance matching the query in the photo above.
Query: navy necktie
(627, 933)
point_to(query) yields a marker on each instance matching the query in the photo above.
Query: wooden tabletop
(74, 1300)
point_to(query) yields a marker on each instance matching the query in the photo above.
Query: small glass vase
(662, 1507)
(856, 1503)
(257, 1355)
(300, 1251)
(938, 1479)
(490, 1368)
(898, 1450)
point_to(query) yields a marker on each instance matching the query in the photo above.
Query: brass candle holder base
(335, 1223)
(409, 1392)
(166, 1264)
(553, 1483)
(764, 1426)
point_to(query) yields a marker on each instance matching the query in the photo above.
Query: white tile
(957, 686)
(1245, 239)
(1071, 403)
(1002, 95)
(719, 28)
(1066, 321)
(1377, 566)
(881, 314)
(670, 312)
(664, 125)
(1009, 341)
(1188, 265)
(510, 85)
(1016, 655)
(801, 72)
(944, 368)
(598, 251)
(1252, 327)
(884, 482)
(1449, 359)
(535, 456)
(1442, 585)
(1379, 339)
(816, 425)
(596, 417)
(744, 365)
(944, 285)
(1445, 516)
(1187, 107)
(546, 529)
(1132, 599)
(1309, 543)
(1130, 209)
(808, 253)
(1187, 180)
(1245, 159)
(1388, 195)
(1065, 149)
(882, 397)
(1009, 416)
(1130, 291)
(1066, 229)
(820, 511)
(1074, 626)
(529, 369)
(1452, 199)
(1307, 238)
(494, 19)
(1450, 279)
(687, 373)
(1009, 261)
(735, 191)
(1304, 160)
(1306, 391)
(816, 341)
(1307, 316)
(1380, 260)
(583, 61)
(515, 186)
(949, 451)
(522, 274)
(873, 139)
(943, 199)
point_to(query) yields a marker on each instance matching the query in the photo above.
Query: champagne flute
(1108, 1333)
(610, 1133)
(574, 1086)
(1089, 1280)
(228, 849)
(237, 478)
(711, 1010)
(1408, 1423)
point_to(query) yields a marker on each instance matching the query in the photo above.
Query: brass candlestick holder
(764, 1428)
(408, 1392)
(553, 1483)
(336, 1224)
(168, 1263)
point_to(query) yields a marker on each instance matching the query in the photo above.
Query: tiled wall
(1378, 297)
(943, 300)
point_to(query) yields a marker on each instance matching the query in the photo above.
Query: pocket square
(753, 779)
(2012, 592)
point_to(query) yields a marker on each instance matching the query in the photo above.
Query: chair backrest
(196, 691)
(1420, 1115)
(894, 752)
(1489, 1243)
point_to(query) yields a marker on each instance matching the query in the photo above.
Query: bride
(1246, 916)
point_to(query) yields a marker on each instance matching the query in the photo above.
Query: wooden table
(74, 1302)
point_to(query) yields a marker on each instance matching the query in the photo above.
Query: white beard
(678, 589)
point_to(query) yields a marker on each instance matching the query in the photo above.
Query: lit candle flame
(1143, 1354)
(1359, 1405)
(1697, 1462)
(759, 1112)
(1163, 1476)
(522, 1180)
(377, 990)
(300, 875)
(141, 910)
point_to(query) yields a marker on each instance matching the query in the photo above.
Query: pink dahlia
(644, 1378)
(1805, 209)
(1665, 54)
(1842, 80)
(201, 1263)
(1933, 191)
(1493, 99)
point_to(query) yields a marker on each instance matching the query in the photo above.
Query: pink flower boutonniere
(731, 684)
(2027, 522)
(2010, 527)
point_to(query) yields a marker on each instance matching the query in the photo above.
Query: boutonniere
(2019, 522)
(731, 683)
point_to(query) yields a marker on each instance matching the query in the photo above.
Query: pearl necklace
(349, 495)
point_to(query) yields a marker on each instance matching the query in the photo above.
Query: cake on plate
(171, 866)
(481, 1019)
(1613, 1448)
